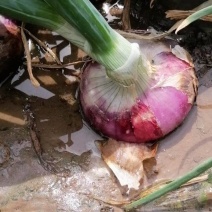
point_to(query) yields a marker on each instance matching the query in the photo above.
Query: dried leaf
(126, 160)
(28, 57)
(41, 44)
(182, 54)
(152, 35)
(183, 14)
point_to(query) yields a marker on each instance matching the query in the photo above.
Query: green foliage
(195, 16)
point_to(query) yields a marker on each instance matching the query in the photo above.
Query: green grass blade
(195, 16)
(171, 186)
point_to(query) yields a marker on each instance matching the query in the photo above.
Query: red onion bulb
(11, 48)
(112, 110)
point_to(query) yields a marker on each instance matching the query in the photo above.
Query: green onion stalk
(201, 168)
(126, 93)
(195, 16)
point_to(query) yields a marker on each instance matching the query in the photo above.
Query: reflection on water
(83, 141)
(29, 89)
(18, 75)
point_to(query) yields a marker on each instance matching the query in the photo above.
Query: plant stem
(40, 13)
(80, 23)
(171, 186)
(105, 45)
(84, 17)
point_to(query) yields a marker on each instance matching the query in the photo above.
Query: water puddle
(83, 141)
(26, 186)
(18, 75)
(27, 88)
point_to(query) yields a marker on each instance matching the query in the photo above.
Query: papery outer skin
(152, 115)
(9, 27)
(11, 47)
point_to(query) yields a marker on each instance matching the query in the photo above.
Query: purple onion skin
(11, 47)
(155, 113)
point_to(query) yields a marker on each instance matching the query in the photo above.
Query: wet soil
(48, 159)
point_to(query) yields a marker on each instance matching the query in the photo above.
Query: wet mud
(48, 157)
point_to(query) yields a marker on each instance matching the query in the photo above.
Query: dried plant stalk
(182, 14)
(28, 58)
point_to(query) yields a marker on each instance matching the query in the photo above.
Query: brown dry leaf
(183, 14)
(153, 35)
(182, 54)
(28, 57)
(126, 161)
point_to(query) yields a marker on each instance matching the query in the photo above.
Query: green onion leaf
(33, 11)
(82, 15)
(40, 13)
(195, 16)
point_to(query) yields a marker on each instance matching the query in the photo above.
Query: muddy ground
(48, 159)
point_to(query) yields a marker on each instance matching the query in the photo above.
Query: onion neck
(123, 60)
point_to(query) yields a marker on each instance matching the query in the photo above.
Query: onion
(11, 47)
(135, 91)
(116, 112)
